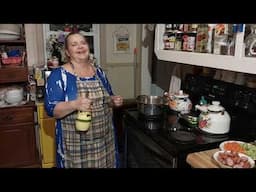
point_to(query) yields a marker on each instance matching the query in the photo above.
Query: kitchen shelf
(17, 123)
(19, 41)
(238, 62)
(13, 74)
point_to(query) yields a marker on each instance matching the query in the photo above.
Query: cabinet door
(13, 116)
(47, 139)
(11, 75)
(17, 145)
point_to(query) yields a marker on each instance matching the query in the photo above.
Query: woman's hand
(117, 100)
(83, 104)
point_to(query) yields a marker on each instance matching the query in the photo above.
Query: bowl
(231, 159)
(14, 95)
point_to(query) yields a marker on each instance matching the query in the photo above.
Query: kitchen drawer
(15, 115)
(13, 74)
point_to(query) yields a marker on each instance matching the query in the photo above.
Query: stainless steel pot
(150, 105)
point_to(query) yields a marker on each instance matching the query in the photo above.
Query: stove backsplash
(239, 101)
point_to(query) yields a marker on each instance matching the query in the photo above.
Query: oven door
(142, 152)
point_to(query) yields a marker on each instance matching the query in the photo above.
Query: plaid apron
(94, 148)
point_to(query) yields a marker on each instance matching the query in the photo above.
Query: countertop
(202, 159)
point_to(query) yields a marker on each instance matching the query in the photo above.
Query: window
(54, 35)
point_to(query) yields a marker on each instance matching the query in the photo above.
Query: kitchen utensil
(84, 118)
(179, 102)
(150, 105)
(153, 124)
(213, 118)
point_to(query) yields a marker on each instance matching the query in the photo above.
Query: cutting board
(202, 159)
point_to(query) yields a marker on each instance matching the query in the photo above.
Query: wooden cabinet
(17, 137)
(17, 127)
(12, 75)
(238, 62)
(47, 137)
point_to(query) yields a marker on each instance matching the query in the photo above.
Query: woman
(79, 85)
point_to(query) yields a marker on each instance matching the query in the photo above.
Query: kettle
(179, 102)
(213, 118)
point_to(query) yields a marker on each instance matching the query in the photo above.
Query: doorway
(121, 57)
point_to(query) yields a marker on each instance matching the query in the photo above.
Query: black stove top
(170, 132)
(177, 137)
(173, 134)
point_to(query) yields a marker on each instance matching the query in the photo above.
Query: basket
(12, 61)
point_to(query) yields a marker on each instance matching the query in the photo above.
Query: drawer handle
(8, 118)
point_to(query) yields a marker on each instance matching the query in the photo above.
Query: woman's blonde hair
(66, 45)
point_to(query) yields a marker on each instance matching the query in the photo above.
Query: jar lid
(215, 107)
(181, 94)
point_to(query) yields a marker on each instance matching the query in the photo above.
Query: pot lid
(215, 107)
(181, 94)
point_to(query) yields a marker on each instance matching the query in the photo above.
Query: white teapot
(213, 118)
(180, 102)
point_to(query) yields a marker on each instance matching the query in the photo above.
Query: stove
(177, 130)
(165, 141)
(239, 101)
(169, 138)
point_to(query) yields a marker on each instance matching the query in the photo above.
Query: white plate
(230, 141)
(249, 159)
(240, 142)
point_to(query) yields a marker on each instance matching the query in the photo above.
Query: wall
(163, 71)
(120, 65)
(109, 60)
(146, 61)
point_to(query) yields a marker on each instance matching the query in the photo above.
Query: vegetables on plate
(240, 147)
